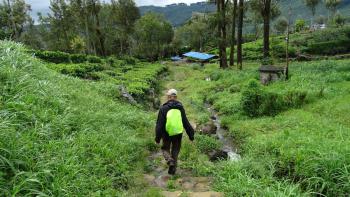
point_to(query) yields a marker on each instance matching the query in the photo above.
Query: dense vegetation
(297, 142)
(76, 103)
(65, 136)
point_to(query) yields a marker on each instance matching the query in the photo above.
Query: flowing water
(223, 136)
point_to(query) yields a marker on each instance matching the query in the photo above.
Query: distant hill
(178, 14)
(299, 10)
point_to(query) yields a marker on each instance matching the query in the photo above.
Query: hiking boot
(172, 170)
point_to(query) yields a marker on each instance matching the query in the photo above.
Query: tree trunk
(218, 10)
(240, 35)
(266, 13)
(233, 34)
(100, 37)
(223, 35)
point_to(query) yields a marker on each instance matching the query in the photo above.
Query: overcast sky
(42, 4)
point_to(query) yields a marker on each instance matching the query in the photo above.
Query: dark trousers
(171, 148)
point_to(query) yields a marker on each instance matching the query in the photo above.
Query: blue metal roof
(197, 55)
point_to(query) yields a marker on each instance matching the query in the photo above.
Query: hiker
(170, 125)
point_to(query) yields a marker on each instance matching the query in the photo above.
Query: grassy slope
(63, 136)
(297, 152)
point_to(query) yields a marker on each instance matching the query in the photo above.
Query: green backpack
(174, 122)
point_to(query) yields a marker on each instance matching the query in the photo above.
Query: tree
(233, 32)
(312, 4)
(299, 25)
(268, 9)
(195, 34)
(221, 17)
(61, 30)
(332, 5)
(240, 34)
(281, 24)
(339, 20)
(152, 36)
(14, 17)
(125, 14)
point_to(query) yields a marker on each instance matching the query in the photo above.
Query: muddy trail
(185, 183)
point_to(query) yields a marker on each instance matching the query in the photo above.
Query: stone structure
(270, 73)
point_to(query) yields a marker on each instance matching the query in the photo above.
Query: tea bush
(53, 56)
(62, 57)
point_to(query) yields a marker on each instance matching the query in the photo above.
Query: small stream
(222, 134)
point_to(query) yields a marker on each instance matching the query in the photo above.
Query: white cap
(171, 92)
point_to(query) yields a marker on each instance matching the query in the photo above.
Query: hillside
(63, 136)
(178, 14)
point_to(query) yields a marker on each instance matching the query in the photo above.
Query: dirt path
(184, 183)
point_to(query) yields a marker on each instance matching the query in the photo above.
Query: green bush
(129, 60)
(256, 101)
(85, 70)
(329, 48)
(78, 58)
(207, 144)
(53, 56)
(94, 59)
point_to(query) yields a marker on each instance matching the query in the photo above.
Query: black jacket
(161, 121)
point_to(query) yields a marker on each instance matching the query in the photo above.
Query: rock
(201, 180)
(188, 185)
(172, 194)
(206, 194)
(156, 103)
(149, 178)
(213, 117)
(218, 155)
(126, 95)
(161, 181)
(208, 129)
(201, 187)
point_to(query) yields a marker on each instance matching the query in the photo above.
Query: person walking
(171, 122)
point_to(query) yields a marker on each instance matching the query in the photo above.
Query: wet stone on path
(182, 184)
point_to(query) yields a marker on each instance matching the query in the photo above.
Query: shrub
(279, 50)
(207, 144)
(94, 59)
(129, 60)
(256, 101)
(78, 58)
(329, 47)
(53, 56)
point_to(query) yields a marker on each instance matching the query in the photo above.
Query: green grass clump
(207, 144)
(62, 136)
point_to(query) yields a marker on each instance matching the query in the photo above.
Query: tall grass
(62, 136)
(301, 149)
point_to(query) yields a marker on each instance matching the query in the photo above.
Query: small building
(269, 73)
(202, 57)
